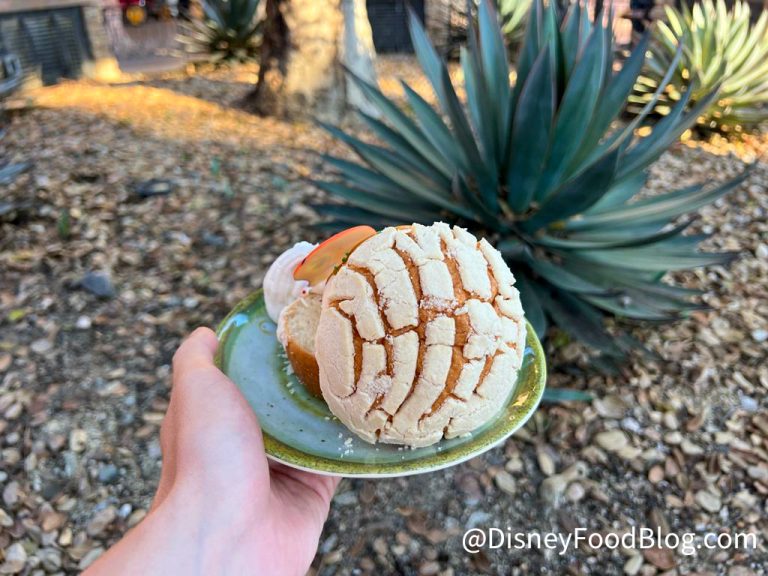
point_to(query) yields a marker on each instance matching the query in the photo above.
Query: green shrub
(537, 169)
(719, 46)
(230, 31)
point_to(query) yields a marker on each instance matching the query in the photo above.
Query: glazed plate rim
(499, 430)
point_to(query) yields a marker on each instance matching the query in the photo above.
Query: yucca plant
(538, 169)
(230, 31)
(719, 46)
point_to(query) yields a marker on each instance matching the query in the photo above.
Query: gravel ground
(99, 285)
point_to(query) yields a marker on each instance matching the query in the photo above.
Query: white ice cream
(280, 289)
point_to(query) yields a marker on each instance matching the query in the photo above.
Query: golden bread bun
(420, 337)
(297, 326)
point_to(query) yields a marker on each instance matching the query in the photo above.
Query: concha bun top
(421, 335)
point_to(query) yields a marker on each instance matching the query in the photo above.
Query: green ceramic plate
(301, 432)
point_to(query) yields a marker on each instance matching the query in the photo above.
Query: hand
(221, 507)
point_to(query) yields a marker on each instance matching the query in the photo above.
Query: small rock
(41, 346)
(745, 500)
(15, 559)
(611, 440)
(748, 403)
(514, 465)
(11, 494)
(345, 498)
(429, 568)
(83, 323)
(670, 421)
(576, 471)
(98, 284)
(658, 520)
(575, 492)
(333, 557)
(52, 488)
(330, 543)
(478, 518)
(379, 545)
(673, 438)
(707, 500)
(610, 407)
(213, 239)
(656, 474)
(125, 510)
(56, 442)
(42, 181)
(65, 538)
(690, 448)
(50, 559)
(632, 425)
(740, 571)
(90, 557)
(553, 488)
(5, 361)
(153, 187)
(723, 437)
(78, 439)
(14, 411)
(506, 482)
(470, 487)
(546, 462)
(5, 520)
(101, 520)
(760, 335)
(50, 519)
(629, 452)
(108, 474)
(632, 566)
(136, 517)
(758, 472)
(662, 558)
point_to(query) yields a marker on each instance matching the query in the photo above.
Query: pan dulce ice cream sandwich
(419, 334)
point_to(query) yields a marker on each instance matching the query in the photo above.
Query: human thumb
(211, 418)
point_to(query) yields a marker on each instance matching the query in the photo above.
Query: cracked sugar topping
(421, 335)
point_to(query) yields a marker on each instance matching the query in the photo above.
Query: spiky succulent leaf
(565, 395)
(9, 172)
(230, 31)
(541, 169)
(720, 47)
(513, 16)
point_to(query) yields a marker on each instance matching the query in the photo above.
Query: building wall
(26, 5)
(104, 62)
(389, 22)
(98, 62)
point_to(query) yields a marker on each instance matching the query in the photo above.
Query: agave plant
(719, 46)
(537, 169)
(230, 31)
(512, 14)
